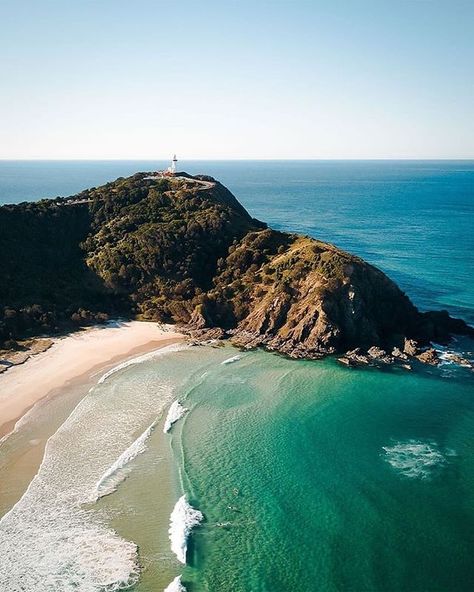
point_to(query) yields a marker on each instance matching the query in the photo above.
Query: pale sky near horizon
(302, 79)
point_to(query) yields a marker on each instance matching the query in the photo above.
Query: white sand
(78, 354)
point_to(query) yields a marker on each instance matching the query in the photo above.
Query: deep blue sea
(310, 477)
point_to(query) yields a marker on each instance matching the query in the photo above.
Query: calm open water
(310, 476)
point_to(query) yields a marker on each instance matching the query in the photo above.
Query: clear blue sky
(302, 79)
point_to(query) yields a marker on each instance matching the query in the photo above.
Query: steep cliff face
(306, 298)
(185, 250)
(328, 301)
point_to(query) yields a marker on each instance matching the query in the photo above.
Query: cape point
(254, 372)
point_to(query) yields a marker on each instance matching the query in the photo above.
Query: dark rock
(202, 335)
(439, 326)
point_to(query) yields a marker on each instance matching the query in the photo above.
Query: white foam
(25, 419)
(182, 520)
(231, 360)
(117, 472)
(143, 358)
(50, 541)
(451, 358)
(416, 459)
(175, 586)
(176, 411)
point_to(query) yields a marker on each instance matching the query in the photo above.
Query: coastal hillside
(183, 249)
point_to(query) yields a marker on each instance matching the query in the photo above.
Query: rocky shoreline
(375, 356)
(411, 353)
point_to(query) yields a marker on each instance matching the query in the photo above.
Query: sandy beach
(77, 355)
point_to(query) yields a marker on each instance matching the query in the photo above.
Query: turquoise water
(310, 476)
(319, 506)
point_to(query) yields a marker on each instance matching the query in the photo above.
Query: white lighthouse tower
(172, 168)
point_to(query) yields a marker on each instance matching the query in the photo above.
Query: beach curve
(75, 357)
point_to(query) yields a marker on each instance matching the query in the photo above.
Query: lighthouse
(172, 168)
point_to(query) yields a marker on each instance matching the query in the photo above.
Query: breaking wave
(182, 520)
(143, 358)
(52, 545)
(416, 459)
(117, 472)
(176, 411)
(175, 586)
(231, 360)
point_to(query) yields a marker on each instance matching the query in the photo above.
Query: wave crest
(143, 358)
(117, 472)
(49, 542)
(176, 411)
(231, 360)
(182, 520)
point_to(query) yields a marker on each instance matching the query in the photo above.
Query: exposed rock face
(310, 299)
(429, 357)
(411, 347)
(397, 353)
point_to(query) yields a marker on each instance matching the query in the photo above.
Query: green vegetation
(137, 247)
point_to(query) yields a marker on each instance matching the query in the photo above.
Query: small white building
(172, 168)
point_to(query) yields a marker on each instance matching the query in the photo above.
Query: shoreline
(110, 406)
(71, 360)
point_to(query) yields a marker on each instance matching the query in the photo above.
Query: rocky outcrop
(429, 356)
(454, 358)
(375, 356)
(309, 299)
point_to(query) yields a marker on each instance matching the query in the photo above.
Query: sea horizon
(210, 160)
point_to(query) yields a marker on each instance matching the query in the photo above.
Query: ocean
(297, 475)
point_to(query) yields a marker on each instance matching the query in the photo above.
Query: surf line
(115, 474)
(176, 412)
(182, 520)
(173, 347)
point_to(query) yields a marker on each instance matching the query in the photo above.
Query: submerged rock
(459, 360)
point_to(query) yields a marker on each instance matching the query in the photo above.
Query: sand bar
(70, 357)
